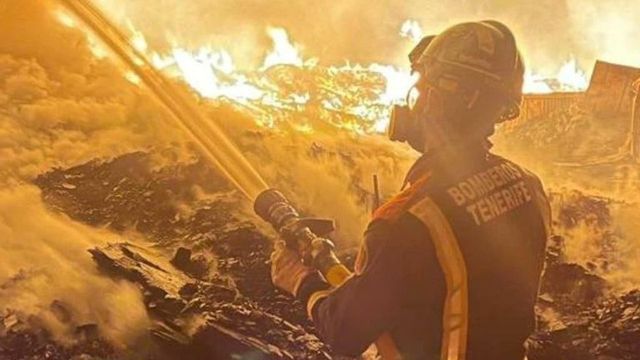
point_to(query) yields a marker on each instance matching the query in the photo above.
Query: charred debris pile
(581, 315)
(203, 270)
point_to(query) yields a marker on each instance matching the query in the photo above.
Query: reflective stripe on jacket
(450, 267)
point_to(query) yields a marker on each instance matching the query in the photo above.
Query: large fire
(286, 82)
(90, 154)
(356, 97)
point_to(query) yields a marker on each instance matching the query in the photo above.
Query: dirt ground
(203, 269)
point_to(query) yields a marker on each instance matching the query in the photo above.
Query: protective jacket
(450, 267)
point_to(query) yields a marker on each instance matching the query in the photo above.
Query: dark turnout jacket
(449, 268)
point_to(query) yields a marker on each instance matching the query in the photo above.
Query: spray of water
(207, 135)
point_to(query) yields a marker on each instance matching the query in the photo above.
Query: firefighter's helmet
(474, 57)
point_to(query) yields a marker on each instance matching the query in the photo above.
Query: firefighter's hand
(287, 269)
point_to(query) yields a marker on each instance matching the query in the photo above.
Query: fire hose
(305, 235)
(308, 237)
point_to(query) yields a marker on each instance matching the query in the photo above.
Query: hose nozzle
(274, 208)
(306, 235)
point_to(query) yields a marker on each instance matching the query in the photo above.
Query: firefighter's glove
(287, 269)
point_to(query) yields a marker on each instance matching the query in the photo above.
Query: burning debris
(205, 277)
(199, 260)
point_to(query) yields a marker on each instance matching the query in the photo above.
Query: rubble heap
(607, 331)
(579, 315)
(204, 270)
(21, 339)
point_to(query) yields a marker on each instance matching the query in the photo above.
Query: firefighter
(450, 267)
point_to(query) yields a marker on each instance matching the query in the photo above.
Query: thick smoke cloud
(607, 29)
(45, 267)
(59, 106)
(364, 31)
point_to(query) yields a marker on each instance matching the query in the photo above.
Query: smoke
(549, 31)
(59, 106)
(606, 29)
(45, 262)
(627, 275)
(330, 174)
(600, 234)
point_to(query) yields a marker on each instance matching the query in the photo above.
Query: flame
(354, 97)
(411, 29)
(202, 71)
(132, 77)
(398, 83)
(137, 38)
(570, 78)
(97, 48)
(535, 84)
(284, 52)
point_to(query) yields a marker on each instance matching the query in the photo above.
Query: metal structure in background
(536, 105)
(610, 93)
(611, 89)
(614, 92)
(214, 145)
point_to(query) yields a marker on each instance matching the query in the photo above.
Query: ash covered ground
(133, 249)
(200, 259)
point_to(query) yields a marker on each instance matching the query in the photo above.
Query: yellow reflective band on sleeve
(455, 317)
(337, 274)
(384, 344)
(387, 348)
(313, 300)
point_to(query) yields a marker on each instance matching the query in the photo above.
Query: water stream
(203, 131)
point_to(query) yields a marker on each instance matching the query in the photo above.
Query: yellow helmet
(477, 74)
(475, 56)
